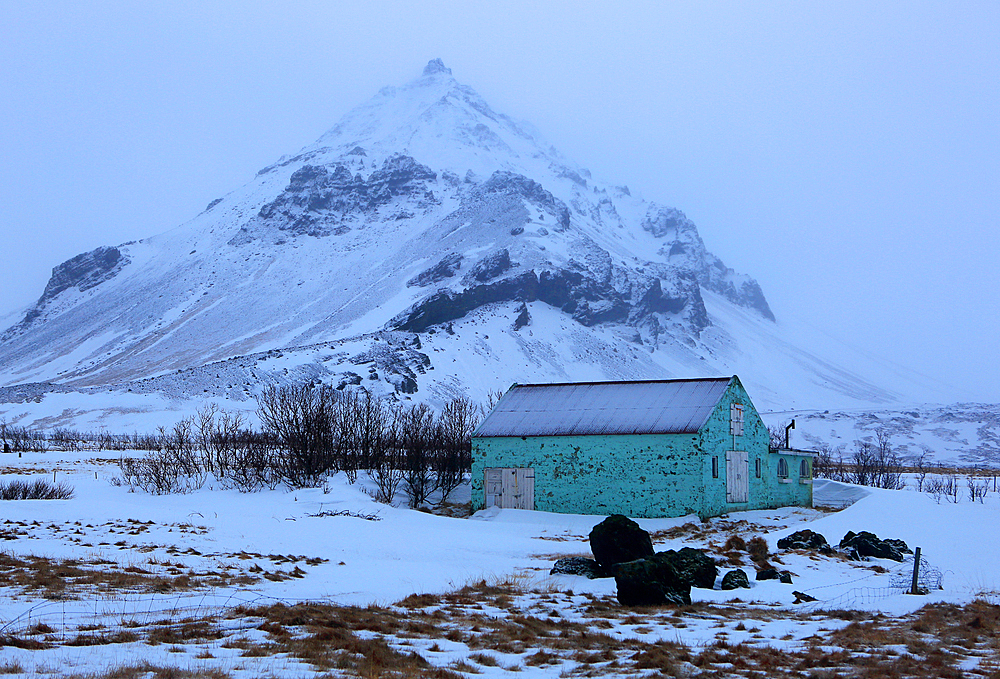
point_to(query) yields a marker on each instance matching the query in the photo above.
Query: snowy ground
(113, 583)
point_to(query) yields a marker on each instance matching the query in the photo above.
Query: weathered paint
(647, 475)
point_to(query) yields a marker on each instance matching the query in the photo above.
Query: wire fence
(134, 611)
(900, 582)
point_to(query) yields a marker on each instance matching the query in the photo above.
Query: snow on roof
(588, 408)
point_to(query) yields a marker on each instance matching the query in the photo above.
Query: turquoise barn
(658, 448)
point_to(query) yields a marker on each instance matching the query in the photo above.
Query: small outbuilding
(644, 449)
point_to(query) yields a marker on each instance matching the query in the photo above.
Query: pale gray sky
(846, 154)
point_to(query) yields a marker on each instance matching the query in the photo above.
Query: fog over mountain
(426, 244)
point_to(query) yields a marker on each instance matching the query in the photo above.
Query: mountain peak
(435, 66)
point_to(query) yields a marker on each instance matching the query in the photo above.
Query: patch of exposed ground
(499, 625)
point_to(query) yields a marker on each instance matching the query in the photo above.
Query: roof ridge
(668, 381)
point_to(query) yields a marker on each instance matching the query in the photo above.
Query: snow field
(284, 547)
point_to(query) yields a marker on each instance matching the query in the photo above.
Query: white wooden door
(737, 476)
(493, 486)
(510, 487)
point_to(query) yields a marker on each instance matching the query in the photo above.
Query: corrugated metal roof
(587, 408)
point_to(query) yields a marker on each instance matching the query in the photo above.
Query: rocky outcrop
(618, 539)
(517, 185)
(864, 544)
(652, 581)
(490, 266)
(82, 272)
(446, 268)
(320, 199)
(574, 291)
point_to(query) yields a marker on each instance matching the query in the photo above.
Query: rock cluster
(623, 550)
(805, 539)
(865, 544)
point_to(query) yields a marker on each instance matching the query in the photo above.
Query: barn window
(756, 466)
(715, 467)
(736, 419)
(804, 469)
(782, 468)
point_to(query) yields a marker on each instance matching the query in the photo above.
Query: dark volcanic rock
(446, 268)
(490, 266)
(651, 581)
(804, 539)
(735, 579)
(618, 539)
(579, 565)
(318, 198)
(786, 578)
(448, 305)
(83, 271)
(865, 544)
(768, 574)
(523, 317)
(693, 566)
(510, 183)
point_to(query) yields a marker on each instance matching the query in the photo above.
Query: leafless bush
(944, 488)
(922, 467)
(301, 419)
(385, 465)
(66, 439)
(978, 487)
(159, 473)
(251, 463)
(876, 464)
(39, 489)
(18, 439)
(416, 441)
(776, 437)
(829, 464)
(458, 420)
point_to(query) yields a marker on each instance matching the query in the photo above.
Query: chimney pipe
(791, 425)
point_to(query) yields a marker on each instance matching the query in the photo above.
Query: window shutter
(736, 419)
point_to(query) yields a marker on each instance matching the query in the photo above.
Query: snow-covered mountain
(424, 245)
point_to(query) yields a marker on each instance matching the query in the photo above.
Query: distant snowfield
(292, 546)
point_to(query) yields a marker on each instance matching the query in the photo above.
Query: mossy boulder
(652, 581)
(735, 579)
(618, 539)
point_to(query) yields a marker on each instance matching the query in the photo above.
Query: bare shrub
(416, 429)
(458, 420)
(977, 488)
(39, 489)
(944, 488)
(385, 466)
(829, 464)
(301, 419)
(251, 463)
(160, 473)
(20, 439)
(876, 464)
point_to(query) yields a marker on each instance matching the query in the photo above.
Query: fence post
(916, 570)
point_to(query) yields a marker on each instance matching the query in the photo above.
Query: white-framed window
(736, 419)
(804, 469)
(756, 466)
(715, 466)
(782, 468)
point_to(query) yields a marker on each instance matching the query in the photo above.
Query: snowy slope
(425, 244)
